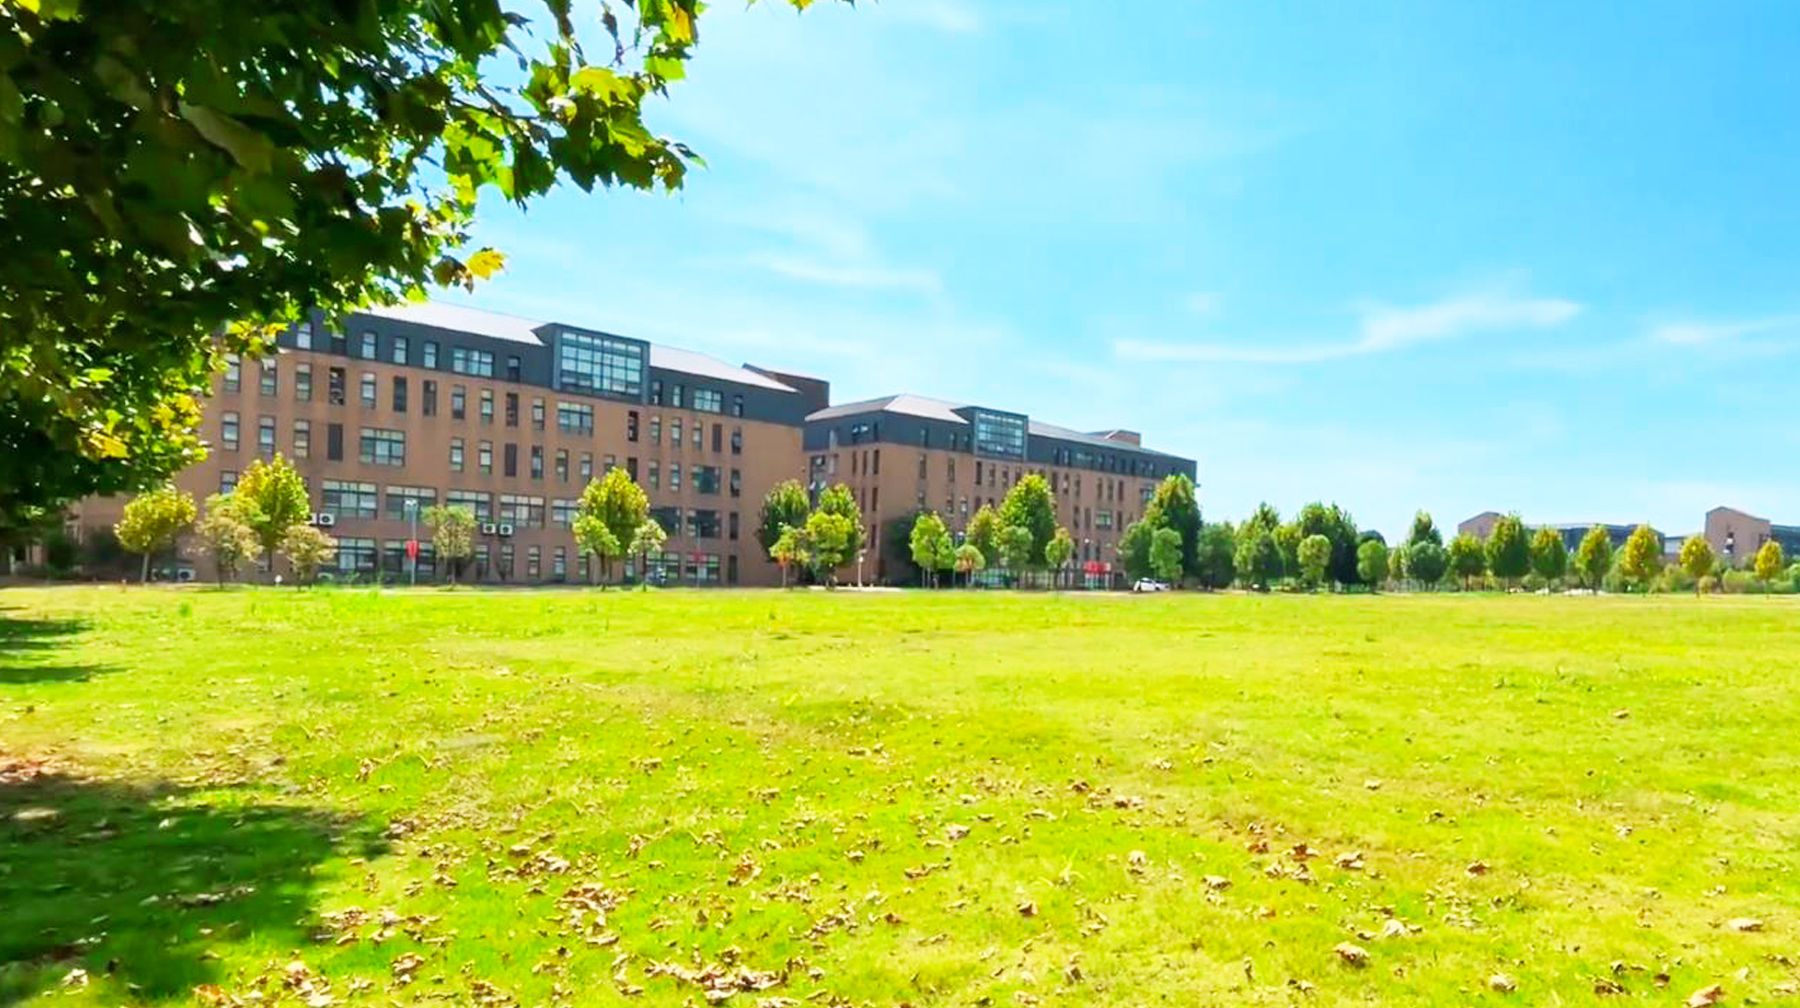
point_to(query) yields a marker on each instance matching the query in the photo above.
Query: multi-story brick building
(437, 404)
(903, 454)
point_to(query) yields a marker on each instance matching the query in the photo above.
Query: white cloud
(860, 276)
(1382, 328)
(1700, 333)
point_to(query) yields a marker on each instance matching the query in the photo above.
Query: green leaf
(250, 149)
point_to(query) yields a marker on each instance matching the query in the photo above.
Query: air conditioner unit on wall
(326, 519)
(506, 530)
(488, 528)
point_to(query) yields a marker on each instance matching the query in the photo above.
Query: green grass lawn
(785, 799)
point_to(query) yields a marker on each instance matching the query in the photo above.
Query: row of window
(1005, 435)
(362, 557)
(357, 499)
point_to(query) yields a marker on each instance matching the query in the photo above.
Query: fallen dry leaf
(1706, 996)
(1744, 924)
(1354, 955)
(1027, 909)
(1478, 868)
(1217, 883)
(1502, 983)
(1350, 860)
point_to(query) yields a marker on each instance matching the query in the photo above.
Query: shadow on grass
(135, 883)
(21, 639)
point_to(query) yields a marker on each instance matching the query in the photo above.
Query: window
(428, 400)
(227, 480)
(228, 431)
(481, 560)
(368, 346)
(949, 466)
(1103, 519)
(587, 467)
(397, 351)
(732, 527)
(631, 467)
(655, 480)
(709, 400)
(737, 483)
(512, 367)
(367, 389)
(656, 430)
(487, 406)
(676, 395)
(737, 409)
(382, 447)
(506, 561)
(923, 459)
(718, 437)
(399, 394)
(479, 363)
(266, 381)
(265, 436)
(562, 512)
(699, 434)
(302, 438)
(510, 464)
(404, 501)
(537, 413)
(347, 499)
(674, 476)
(431, 352)
(303, 382)
(356, 557)
(340, 342)
(516, 509)
(703, 568)
(456, 454)
(706, 479)
(512, 409)
(574, 418)
(674, 432)
(600, 364)
(656, 395)
(334, 442)
(703, 524)
(737, 443)
(303, 336)
(999, 434)
(669, 518)
(334, 386)
(631, 425)
(234, 373)
(562, 464)
(559, 563)
(532, 555)
(484, 458)
(476, 501)
(537, 462)
(459, 402)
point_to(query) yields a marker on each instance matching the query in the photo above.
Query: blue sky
(1526, 255)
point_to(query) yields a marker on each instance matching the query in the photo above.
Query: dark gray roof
(940, 409)
(517, 329)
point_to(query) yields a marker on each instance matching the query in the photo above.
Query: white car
(1149, 585)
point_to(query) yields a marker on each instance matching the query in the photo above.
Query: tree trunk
(144, 574)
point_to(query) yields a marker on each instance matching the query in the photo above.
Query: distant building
(1572, 532)
(1736, 535)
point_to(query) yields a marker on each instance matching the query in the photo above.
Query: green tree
(617, 503)
(1427, 562)
(1031, 506)
(1508, 550)
(1165, 554)
(1315, 559)
(1397, 560)
(1134, 549)
(319, 156)
(1697, 559)
(1769, 561)
(829, 543)
(968, 561)
(1594, 557)
(272, 499)
(789, 551)
(929, 535)
(1058, 551)
(225, 535)
(650, 538)
(983, 533)
(152, 521)
(452, 535)
(1287, 541)
(1468, 560)
(1015, 549)
(1549, 557)
(784, 507)
(1641, 557)
(1424, 530)
(1216, 564)
(1336, 525)
(307, 550)
(945, 559)
(1174, 506)
(1372, 562)
(1259, 559)
(839, 500)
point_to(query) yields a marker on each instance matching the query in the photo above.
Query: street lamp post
(412, 542)
(859, 566)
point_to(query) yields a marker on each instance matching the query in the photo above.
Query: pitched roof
(518, 329)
